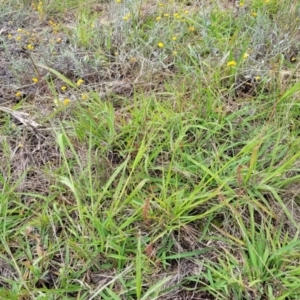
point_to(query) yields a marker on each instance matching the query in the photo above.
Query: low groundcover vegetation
(149, 149)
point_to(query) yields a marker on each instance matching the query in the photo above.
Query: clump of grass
(165, 163)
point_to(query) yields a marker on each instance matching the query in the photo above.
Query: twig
(20, 116)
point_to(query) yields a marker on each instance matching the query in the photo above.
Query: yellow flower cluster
(231, 63)
(127, 17)
(28, 38)
(54, 26)
(246, 55)
(66, 101)
(39, 8)
(176, 15)
(79, 82)
(60, 102)
(63, 102)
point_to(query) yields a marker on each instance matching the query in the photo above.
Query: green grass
(165, 173)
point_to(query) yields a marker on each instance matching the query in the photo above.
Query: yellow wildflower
(254, 14)
(63, 88)
(166, 15)
(66, 101)
(118, 1)
(231, 63)
(18, 38)
(18, 94)
(35, 80)
(30, 47)
(84, 97)
(174, 38)
(127, 17)
(158, 18)
(79, 82)
(175, 53)
(192, 29)
(9, 36)
(246, 55)
(160, 45)
(257, 78)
